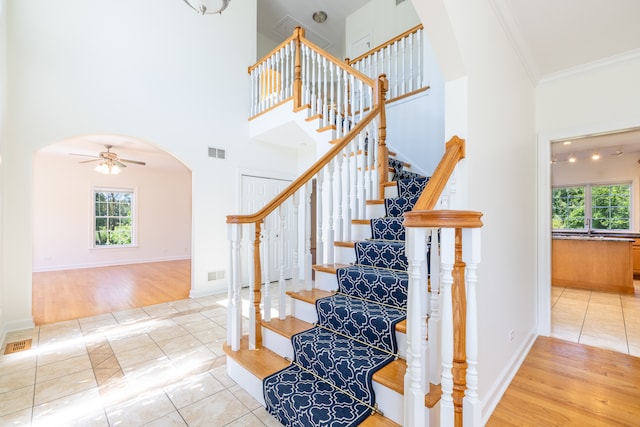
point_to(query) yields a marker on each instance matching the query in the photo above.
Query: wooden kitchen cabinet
(636, 258)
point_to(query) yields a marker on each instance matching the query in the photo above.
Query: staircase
(349, 347)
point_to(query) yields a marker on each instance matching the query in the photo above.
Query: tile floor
(163, 365)
(160, 365)
(603, 320)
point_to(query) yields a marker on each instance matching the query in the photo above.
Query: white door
(257, 192)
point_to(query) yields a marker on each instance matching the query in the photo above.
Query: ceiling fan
(110, 162)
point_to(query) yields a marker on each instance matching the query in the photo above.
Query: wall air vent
(216, 275)
(217, 153)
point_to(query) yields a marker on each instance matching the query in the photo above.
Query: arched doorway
(105, 241)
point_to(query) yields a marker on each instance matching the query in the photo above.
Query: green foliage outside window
(608, 206)
(113, 220)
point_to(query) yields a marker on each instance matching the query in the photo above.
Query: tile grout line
(584, 318)
(624, 323)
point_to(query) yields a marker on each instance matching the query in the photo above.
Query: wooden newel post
(459, 298)
(257, 294)
(297, 78)
(383, 151)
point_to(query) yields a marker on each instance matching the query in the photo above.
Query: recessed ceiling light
(595, 156)
(320, 16)
(567, 143)
(572, 158)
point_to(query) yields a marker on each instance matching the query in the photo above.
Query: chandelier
(208, 6)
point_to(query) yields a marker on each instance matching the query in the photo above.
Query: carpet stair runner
(329, 382)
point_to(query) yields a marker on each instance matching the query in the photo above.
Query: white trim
(495, 395)
(110, 263)
(16, 325)
(92, 215)
(600, 63)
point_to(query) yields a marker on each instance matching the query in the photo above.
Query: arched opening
(105, 242)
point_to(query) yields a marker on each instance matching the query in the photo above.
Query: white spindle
(331, 213)
(360, 176)
(348, 196)
(266, 273)
(403, 45)
(331, 104)
(353, 180)
(325, 92)
(415, 377)
(308, 258)
(435, 368)
(319, 219)
(295, 269)
(339, 217)
(234, 311)
(252, 285)
(447, 256)
(395, 70)
(282, 284)
(420, 48)
(366, 143)
(410, 77)
(472, 407)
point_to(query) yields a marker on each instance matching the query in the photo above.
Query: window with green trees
(599, 207)
(113, 217)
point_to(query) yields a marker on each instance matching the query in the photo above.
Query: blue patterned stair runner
(329, 382)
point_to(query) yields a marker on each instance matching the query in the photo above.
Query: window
(595, 207)
(113, 217)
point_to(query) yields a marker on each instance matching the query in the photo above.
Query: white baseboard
(497, 391)
(108, 263)
(16, 325)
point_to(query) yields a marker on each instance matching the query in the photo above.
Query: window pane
(568, 208)
(113, 218)
(611, 207)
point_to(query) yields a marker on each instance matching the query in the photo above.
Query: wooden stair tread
(375, 202)
(261, 362)
(314, 117)
(345, 244)
(361, 221)
(329, 268)
(392, 376)
(310, 296)
(390, 184)
(402, 326)
(287, 327)
(377, 420)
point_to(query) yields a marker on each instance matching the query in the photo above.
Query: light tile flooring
(603, 320)
(160, 365)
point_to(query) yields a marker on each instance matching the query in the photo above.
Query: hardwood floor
(567, 384)
(72, 294)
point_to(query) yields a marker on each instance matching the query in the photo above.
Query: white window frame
(588, 206)
(134, 216)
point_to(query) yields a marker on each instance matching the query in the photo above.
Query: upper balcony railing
(401, 59)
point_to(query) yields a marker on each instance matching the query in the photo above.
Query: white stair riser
(277, 343)
(245, 379)
(390, 402)
(390, 192)
(375, 211)
(360, 231)
(344, 255)
(326, 281)
(305, 311)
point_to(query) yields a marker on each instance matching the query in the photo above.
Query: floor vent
(15, 347)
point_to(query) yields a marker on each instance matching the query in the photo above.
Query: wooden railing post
(257, 282)
(459, 300)
(297, 78)
(383, 151)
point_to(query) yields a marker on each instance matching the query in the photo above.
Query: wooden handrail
(297, 34)
(454, 152)
(316, 167)
(385, 44)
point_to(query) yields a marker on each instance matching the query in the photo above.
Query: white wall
(603, 97)
(151, 69)
(491, 102)
(63, 213)
(3, 98)
(415, 126)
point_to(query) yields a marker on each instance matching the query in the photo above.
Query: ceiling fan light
(595, 156)
(572, 158)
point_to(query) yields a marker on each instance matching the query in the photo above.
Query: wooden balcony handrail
(454, 152)
(385, 44)
(318, 165)
(298, 34)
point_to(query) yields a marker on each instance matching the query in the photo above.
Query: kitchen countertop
(593, 238)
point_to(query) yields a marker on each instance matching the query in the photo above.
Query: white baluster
(308, 258)
(348, 196)
(396, 76)
(435, 370)
(372, 155)
(316, 84)
(325, 92)
(319, 219)
(252, 89)
(340, 226)
(282, 304)
(295, 239)
(366, 142)
(263, 86)
(266, 263)
(234, 311)
(415, 378)
(361, 166)
(403, 74)
(331, 212)
(472, 407)
(252, 285)
(447, 256)
(353, 180)
(410, 77)
(420, 50)
(306, 89)
(340, 122)
(331, 104)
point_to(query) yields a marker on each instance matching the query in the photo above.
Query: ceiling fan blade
(85, 155)
(89, 161)
(119, 163)
(135, 162)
